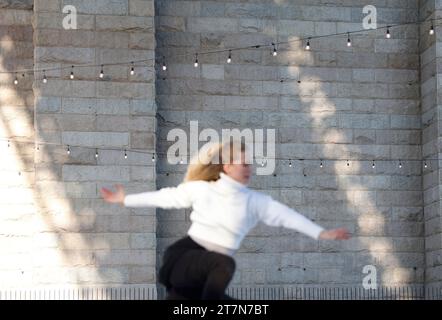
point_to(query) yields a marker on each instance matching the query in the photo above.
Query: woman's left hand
(114, 197)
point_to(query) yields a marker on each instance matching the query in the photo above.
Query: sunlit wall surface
(56, 231)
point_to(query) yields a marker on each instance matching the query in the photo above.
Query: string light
(348, 40)
(164, 64)
(388, 35)
(307, 46)
(229, 59)
(132, 69)
(263, 161)
(196, 61)
(431, 31)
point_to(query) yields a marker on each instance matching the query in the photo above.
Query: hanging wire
(24, 71)
(155, 154)
(273, 44)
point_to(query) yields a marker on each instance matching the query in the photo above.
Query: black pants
(189, 271)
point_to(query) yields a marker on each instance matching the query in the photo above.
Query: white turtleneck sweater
(224, 211)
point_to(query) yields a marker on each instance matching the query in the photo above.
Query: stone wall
(429, 64)
(352, 103)
(17, 203)
(69, 236)
(376, 100)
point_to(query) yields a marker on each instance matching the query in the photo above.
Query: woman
(201, 265)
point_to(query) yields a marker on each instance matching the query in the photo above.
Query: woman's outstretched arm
(274, 213)
(178, 197)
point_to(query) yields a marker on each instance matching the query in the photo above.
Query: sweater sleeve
(178, 197)
(276, 214)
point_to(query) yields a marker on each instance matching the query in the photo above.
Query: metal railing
(243, 293)
(95, 293)
(330, 293)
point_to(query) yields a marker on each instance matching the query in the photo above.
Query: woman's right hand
(335, 234)
(114, 197)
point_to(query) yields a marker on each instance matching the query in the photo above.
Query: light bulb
(164, 63)
(132, 69)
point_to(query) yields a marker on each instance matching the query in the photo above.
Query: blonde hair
(208, 163)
